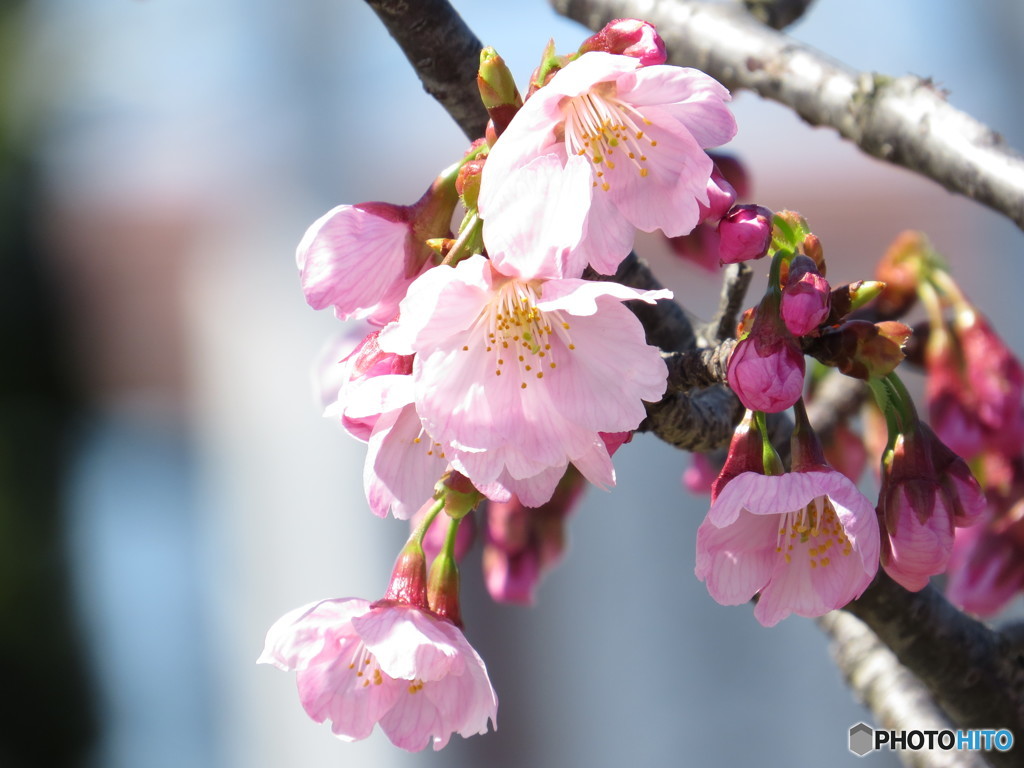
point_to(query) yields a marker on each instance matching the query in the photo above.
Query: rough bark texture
(903, 120)
(443, 51)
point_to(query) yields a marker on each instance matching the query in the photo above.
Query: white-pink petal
(354, 261)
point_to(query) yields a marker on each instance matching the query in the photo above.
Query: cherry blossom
(360, 664)
(808, 542)
(631, 139)
(517, 378)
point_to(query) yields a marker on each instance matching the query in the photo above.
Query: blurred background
(167, 486)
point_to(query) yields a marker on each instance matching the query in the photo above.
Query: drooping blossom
(996, 380)
(927, 491)
(806, 297)
(359, 259)
(360, 663)
(766, 369)
(517, 378)
(986, 568)
(631, 138)
(403, 463)
(806, 541)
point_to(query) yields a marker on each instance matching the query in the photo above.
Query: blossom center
(520, 336)
(813, 531)
(607, 132)
(365, 665)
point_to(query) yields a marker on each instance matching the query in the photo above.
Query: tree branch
(973, 672)
(905, 121)
(443, 51)
(735, 282)
(777, 14)
(897, 699)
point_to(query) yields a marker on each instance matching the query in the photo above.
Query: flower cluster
(494, 368)
(491, 367)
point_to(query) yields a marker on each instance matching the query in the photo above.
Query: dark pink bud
(951, 408)
(628, 37)
(766, 369)
(745, 233)
(995, 378)
(967, 500)
(408, 584)
(746, 454)
(701, 474)
(805, 297)
(846, 452)
(721, 197)
(986, 569)
(522, 543)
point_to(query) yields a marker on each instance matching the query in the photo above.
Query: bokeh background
(168, 487)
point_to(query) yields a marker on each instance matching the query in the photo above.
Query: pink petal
(537, 218)
(300, 635)
(354, 261)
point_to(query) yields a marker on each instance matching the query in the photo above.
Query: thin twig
(735, 282)
(905, 121)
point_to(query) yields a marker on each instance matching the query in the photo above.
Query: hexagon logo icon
(862, 739)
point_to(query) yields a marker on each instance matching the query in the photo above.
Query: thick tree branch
(904, 120)
(976, 675)
(973, 672)
(444, 52)
(898, 699)
(777, 14)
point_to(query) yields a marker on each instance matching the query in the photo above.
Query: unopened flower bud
(497, 90)
(628, 37)
(861, 349)
(900, 271)
(443, 587)
(408, 584)
(745, 233)
(467, 183)
(766, 369)
(745, 454)
(847, 298)
(805, 297)
(811, 248)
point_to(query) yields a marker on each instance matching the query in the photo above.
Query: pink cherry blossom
(361, 258)
(403, 463)
(806, 541)
(630, 139)
(519, 378)
(360, 663)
